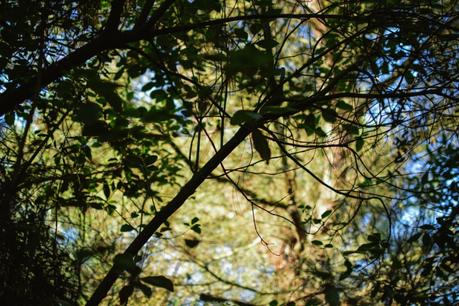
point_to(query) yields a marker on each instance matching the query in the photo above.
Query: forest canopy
(237, 152)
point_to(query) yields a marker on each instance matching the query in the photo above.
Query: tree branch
(108, 40)
(187, 190)
(115, 15)
(211, 298)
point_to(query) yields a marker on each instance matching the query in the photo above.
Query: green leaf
(267, 44)
(148, 86)
(313, 302)
(261, 145)
(241, 34)
(316, 221)
(9, 118)
(317, 242)
(144, 288)
(159, 281)
(207, 5)
(320, 132)
(344, 106)
(365, 247)
(249, 60)
(414, 237)
(332, 296)
(126, 228)
(118, 74)
(126, 262)
(106, 188)
(89, 113)
(409, 77)
(348, 271)
(192, 243)
(352, 129)
(326, 213)
(273, 303)
(426, 242)
(125, 293)
(194, 220)
(358, 143)
(329, 115)
(196, 228)
(107, 90)
(158, 95)
(375, 237)
(242, 116)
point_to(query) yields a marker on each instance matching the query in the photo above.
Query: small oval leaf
(159, 281)
(261, 145)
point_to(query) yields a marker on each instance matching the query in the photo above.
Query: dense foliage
(214, 151)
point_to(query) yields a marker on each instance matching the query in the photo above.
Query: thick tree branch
(11, 98)
(144, 14)
(108, 40)
(115, 15)
(187, 190)
(159, 13)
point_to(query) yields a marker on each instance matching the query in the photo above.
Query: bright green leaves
(242, 116)
(261, 145)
